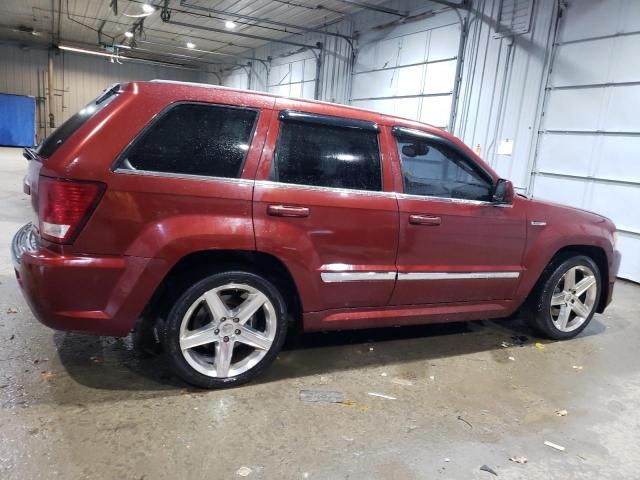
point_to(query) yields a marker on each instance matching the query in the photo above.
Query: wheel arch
(199, 264)
(599, 256)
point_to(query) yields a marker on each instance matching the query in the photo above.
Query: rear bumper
(103, 295)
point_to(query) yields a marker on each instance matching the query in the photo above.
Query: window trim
(294, 116)
(116, 166)
(328, 120)
(404, 132)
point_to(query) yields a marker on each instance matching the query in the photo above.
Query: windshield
(50, 144)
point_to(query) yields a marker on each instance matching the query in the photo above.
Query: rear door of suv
(324, 205)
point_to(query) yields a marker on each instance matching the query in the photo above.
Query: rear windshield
(50, 144)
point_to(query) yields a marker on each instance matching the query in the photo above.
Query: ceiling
(90, 23)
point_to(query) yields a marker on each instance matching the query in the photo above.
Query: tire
(572, 308)
(232, 346)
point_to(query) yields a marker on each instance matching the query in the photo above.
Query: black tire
(171, 329)
(537, 307)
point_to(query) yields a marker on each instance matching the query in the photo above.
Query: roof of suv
(332, 109)
(384, 118)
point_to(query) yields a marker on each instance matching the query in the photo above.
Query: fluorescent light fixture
(191, 45)
(128, 34)
(82, 50)
(121, 57)
(146, 8)
(229, 24)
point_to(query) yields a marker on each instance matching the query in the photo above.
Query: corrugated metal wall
(592, 100)
(590, 132)
(502, 83)
(409, 69)
(77, 78)
(291, 69)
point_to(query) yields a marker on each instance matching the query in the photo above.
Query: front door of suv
(323, 204)
(455, 244)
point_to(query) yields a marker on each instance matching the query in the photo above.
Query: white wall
(502, 82)
(78, 78)
(589, 138)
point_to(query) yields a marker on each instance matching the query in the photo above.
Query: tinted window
(50, 144)
(194, 139)
(435, 170)
(327, 156)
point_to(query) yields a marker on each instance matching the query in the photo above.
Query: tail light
(64, 206)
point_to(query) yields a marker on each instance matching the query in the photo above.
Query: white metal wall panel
(294, 76)
(590, 133)
(409, 70)
(238, 78)
(502, 83)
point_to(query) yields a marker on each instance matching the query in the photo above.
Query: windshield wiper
(29, 153)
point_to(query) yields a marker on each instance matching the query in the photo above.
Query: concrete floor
(79, 407)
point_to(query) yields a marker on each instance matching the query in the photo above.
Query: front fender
(550, 232)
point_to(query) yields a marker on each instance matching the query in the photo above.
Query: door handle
(287, 211)
(425, 220)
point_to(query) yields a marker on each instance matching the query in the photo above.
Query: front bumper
(613, 274)
(103, 295)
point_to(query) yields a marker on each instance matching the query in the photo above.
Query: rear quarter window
(194, 139)
(60, 135)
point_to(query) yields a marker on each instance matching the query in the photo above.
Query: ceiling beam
(239, 34)
(375, 8)
(186, 4)
(205, 52)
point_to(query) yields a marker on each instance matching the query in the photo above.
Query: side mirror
(502, 192)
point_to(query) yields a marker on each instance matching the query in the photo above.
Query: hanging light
(191, 45)
(230, 25)
(128, 34)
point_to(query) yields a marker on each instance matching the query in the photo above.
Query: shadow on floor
(109, 364)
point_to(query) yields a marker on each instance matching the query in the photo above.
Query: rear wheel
(564, 301)
(225, 330)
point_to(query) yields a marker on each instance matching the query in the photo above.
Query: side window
(194, 139)
(435, 170)
(327, 156)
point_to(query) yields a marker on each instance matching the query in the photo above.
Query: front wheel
(564, 301)
(225, 329)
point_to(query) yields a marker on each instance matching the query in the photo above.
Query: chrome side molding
(338, 277)
(456, 275)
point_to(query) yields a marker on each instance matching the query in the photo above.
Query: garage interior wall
(589, 141)
(77, 79)
(586, 90)
(552, 108)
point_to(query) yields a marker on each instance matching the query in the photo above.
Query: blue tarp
(17, 120)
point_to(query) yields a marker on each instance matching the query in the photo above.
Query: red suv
(222, 217)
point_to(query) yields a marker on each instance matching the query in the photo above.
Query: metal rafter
(246, 35)
(375, 8)
(186, 4)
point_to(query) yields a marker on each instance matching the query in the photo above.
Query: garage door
(409, 70)
(589, 147)
(238, 78)
(293, 76)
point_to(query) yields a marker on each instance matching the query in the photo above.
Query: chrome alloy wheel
(574, 298)
(228, 330)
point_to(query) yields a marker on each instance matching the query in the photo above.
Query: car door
(324, 206)
(455, 244)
